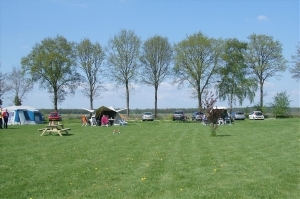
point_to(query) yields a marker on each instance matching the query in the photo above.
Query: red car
(54, 116)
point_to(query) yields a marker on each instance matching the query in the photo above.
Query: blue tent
(23, 115)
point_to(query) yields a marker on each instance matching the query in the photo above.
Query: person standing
(5, 116)
(1, 121)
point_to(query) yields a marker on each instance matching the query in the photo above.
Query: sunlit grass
(250, 159)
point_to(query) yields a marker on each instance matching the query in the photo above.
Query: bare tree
(264, 57)
(156, 58)
(123, 54)
(5, 87)
(295, 69)
(20, 84)
(90, 58)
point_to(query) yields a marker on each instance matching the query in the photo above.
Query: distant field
(160, 159)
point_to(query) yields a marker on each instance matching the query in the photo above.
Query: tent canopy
(110, 111)
(24, 115)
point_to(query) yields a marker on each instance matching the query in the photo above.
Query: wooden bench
(66, 130)
(54, 129)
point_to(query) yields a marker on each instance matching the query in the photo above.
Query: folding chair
(122, 121)
(84, 120)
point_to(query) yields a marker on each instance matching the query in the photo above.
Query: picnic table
(54, 128)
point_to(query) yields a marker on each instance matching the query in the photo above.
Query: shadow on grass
(63, 135)
(223, 135)
(10, 127)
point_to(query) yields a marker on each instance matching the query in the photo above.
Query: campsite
(159, 159)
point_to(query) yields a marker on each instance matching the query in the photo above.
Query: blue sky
(24, 23)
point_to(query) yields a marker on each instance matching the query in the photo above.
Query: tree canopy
(156, 57)
(197, 59)
(264, 57)
(295, 68)
(21, 85)
(90, 58)
(52, 64)
(122, 60)
(235, 83)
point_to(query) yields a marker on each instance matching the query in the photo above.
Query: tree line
(236, 69)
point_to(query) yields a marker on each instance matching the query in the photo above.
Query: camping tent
(103, 110)
(109, 111)
(24, 115)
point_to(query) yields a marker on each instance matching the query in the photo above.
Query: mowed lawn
(160, 159)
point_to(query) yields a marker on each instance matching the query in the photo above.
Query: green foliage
(196, 61)
(51, 63)
(152, 160)
(235, 83)
(281, 104)
(264, 59)
(295, 68)
(17, 101)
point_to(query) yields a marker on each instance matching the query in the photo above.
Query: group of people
(3, 118)
(103, 121)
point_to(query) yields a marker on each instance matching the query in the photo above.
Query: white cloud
(262, 18)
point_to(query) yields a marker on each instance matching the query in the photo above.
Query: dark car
(197, 116)
(178, 115)
(54, 116)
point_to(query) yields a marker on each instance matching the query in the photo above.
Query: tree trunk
(155, 101)
(199, 99)
(55, 101)
(261, 95)
(127, 98)
(91, 103)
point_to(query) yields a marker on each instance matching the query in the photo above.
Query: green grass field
(160, 159)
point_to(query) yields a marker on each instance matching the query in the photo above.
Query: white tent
(97, 114)
(23, 115)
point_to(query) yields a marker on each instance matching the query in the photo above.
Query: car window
(178, 112)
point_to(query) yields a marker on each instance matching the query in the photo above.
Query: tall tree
(235, 83)
(264, 57)
(90, 58)
(196, 62)
(156, 57)
(295, 69)
(123, 54)
(52, 63)
(21, 85)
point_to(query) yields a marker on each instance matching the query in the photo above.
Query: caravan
(24, 115)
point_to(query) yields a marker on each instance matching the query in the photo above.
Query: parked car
(54, 116)
(178, 115)
(197, 116)
(256, 115)
(147, 116)
(238, 115)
